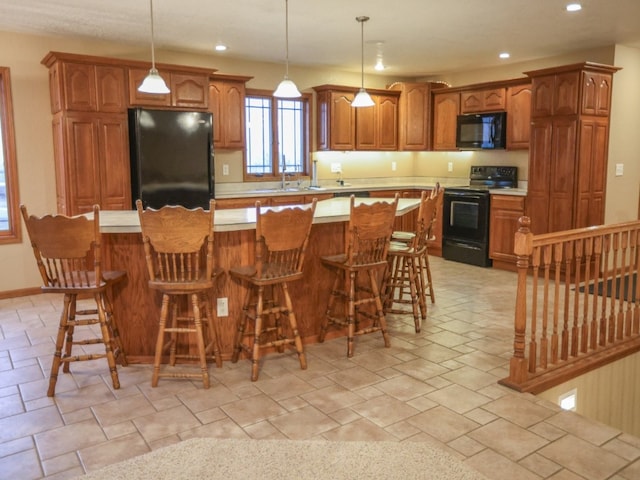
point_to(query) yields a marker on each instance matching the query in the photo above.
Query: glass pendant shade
(153, 82)
(286, 88)
(363, 99)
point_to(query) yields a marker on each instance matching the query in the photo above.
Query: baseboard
(23, 292)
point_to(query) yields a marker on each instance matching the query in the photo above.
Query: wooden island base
(138, 308)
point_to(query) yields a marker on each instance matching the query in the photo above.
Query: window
(9, 218)
(277, 135)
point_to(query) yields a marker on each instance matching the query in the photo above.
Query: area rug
(209, 458)
(615, 287)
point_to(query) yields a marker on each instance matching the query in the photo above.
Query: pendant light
(363, 99)
(286, 88)
(153, 82)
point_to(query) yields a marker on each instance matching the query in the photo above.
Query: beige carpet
(208, 458)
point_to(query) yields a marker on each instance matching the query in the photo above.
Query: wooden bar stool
(409, 262)
(282, 236)
(68, 254)
(367, 244)
(178, 245)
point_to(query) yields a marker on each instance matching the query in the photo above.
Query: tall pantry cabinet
(570, 109)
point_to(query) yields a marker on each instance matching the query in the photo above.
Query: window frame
(306, 163)
(13, 233)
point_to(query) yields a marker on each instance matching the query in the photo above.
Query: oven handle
(466, 195)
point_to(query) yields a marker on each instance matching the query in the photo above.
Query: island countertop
(236, 219)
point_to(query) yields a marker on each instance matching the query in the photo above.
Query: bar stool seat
(178, 245)
(365, 255)
(69, 258)
(409, 262)
(282, 236)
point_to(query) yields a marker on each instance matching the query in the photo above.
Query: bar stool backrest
(178, 242)
(67, 249)
(427, 212)
(282, 235)
(370, 229)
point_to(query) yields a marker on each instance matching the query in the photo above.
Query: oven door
(466, 216)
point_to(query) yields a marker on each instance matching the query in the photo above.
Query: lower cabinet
(503, 224)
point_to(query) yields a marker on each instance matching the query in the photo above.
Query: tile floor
(439, 386)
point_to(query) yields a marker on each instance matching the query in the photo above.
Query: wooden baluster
(597, 258)
(605, 278)
(568, 256)
(615, 245)
(628, 282)
(575, 327)
(544, 342)
(584, 325)
(620, 290)
(557, 257)
(636, 271)
(533, 344)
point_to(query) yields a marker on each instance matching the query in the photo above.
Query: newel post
(523, 248)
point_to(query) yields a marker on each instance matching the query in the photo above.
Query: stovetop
(483, 178)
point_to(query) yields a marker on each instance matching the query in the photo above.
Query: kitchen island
(137, 307)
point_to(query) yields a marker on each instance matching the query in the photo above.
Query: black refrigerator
(171, 157)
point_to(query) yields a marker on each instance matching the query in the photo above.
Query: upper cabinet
(518, 116)
(596, 93)
(188, 89)
(446, 107)
(413, 115)
(226, 102)
(343, 127)
(483, 100)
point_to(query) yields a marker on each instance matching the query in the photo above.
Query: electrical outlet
(450, 167)
(225, 169)
(336, 167)
(393, 166)
(223, 307)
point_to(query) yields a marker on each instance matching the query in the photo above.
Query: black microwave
(481, 130)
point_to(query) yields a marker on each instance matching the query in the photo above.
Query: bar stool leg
(112, 323)
(69, 330)
(294, 327)
(242, 325)
(330, 304)
(380, 311)
(213, 345)
(57, 356)
(351, 312)
(164, 312)
(197, 318)
(106, 338)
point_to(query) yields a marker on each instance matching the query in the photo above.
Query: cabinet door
(567, 89)
(82, 163)
(189, 90)
(486, 100)
(115, 185)
(226, 101)
(562, 174)
(505, 212)
(79, 82)
(446, 107)
(110, 89)
(136, 98)
(539, 173)
(244, 202)
(387, 122)
(542, 93)
(591, 172)
(413, 117)
(342, 122)
(596, 93)
(366, 126)
(518, 117)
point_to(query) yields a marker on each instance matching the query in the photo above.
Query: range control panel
(494, 176)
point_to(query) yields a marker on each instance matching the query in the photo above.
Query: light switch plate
(450, 167)
(619, 169)
(393, 166)
(336, 167)
(225, 169)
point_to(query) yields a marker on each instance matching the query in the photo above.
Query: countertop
(247, 192)
(235, 219)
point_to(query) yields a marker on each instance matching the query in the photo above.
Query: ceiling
(415, 37)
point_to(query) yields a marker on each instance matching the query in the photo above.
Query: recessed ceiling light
(221, 47)
(574, 7)
(379, 65)
(504, 55)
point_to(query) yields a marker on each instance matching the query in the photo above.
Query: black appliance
(465, 214)
(481, 131)
(171, 157)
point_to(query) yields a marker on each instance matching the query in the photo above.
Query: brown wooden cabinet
(226, 102)
(505, 212)
(92, 162)
(568, 153)
(188, 89)
(342, 127)
(446, 107)
(518, 116)
(483, 100)
(413, 115)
